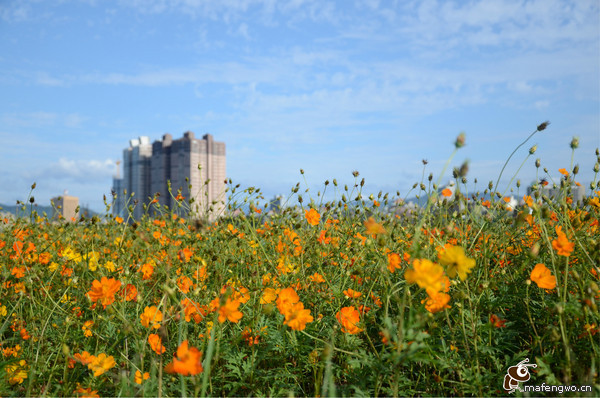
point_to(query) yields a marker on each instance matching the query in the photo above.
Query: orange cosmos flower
(312, 216)
(374, 228)
(185, 254)
(156, 344)
(192, 310)
(561, 244)
(104, 290)
(186, 362)
(147, 270)
(24, 334)
(447, 192)
(151, 316)
(84, 357)
(297, 317)
(352, 293)
(563, 172)
(542, 276)
(393, 262)
(317, 278)
(101, 364)
(348, 317)
(230, 311)
(85, 392)
(130, 292)
(184, 283)
(437, 302)
(528, 200)
(87, 331)
(427, 275)
(497, 322)
(287, 297)
(139, 378)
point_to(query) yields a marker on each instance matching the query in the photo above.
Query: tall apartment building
(188, 161)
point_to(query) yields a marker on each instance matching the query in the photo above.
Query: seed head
(355, 173)
(543, 126)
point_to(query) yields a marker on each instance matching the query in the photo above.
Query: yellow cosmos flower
(453, 257)
(101, 364)
(428, 275)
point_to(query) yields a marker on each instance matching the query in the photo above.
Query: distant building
(64, 206)
(148, 169)
(276, 204)
(552, 192)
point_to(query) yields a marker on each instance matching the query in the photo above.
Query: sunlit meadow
(337, 298)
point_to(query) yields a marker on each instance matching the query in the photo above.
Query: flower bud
(355, 173)
(575, 143)
(460, 140)
(596, 167)
(464, 169)
(576, 169)
(532, 149)
(537, 163)
(301, 171)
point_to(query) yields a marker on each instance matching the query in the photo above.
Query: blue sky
(326, 86)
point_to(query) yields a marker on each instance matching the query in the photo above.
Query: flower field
(338, 298)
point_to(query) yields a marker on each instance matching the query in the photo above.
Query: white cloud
(82, 171)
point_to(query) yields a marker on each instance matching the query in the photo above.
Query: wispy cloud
(81, 171)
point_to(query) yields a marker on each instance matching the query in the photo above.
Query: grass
(341, 300)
